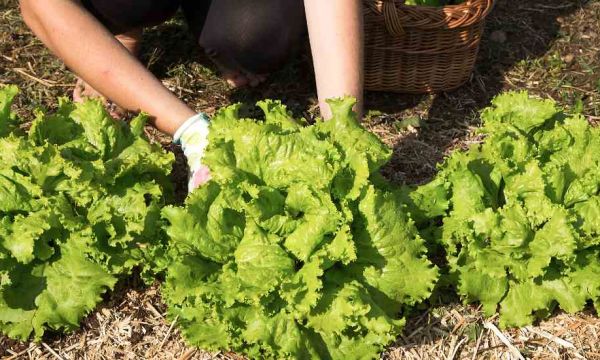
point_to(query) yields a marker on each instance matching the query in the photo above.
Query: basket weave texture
(421, 49)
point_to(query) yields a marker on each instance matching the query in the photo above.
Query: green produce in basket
(80, 201)
(295, 249)
(424, 2)
(433, 2)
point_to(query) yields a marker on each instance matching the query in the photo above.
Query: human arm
(335, 29)
(93, 53)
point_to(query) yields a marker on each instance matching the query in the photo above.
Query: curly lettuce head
(521, 211)
(80, 202)
(295, 249)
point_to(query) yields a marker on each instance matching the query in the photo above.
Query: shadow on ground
(516, 31)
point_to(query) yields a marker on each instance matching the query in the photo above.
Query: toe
(231, 72)
(83, 90)
(256, 79)
(78, 91)
(115, 111)
(253, 80)
(235, 79)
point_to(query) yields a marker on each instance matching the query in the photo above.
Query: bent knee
(258, 55)
(258, 37)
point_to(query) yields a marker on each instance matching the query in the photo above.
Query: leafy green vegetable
(80, 202)
(7, 119)
(520, 212)
(295, 249)
(433, 2)
(423, 2)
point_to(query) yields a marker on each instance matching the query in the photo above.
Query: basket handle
(392, 18)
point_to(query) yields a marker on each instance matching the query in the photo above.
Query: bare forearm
(92, 52)
(336, 36)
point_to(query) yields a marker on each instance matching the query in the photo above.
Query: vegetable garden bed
(131, 322)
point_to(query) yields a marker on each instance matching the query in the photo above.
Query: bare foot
(232, 73)
(131, 41)
(83, 90)
(238, 79)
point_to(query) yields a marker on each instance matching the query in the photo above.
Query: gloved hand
(193, 137)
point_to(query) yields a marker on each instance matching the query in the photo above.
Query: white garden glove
(193, 137)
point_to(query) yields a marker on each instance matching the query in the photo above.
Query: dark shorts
(257, 36)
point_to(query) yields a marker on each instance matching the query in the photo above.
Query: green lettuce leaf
(8, 120)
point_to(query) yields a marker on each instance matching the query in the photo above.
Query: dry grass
(460, 332)
(549, 47)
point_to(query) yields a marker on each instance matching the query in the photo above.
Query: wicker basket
(421, 49)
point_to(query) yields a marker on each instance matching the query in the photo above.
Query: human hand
(193, 137)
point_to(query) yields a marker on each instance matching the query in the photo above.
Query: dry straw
(421, 49)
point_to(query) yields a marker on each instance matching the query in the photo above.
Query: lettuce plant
(296, 248)
(80, 202)
(520, 213)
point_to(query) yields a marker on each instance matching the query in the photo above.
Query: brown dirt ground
(549, 47)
